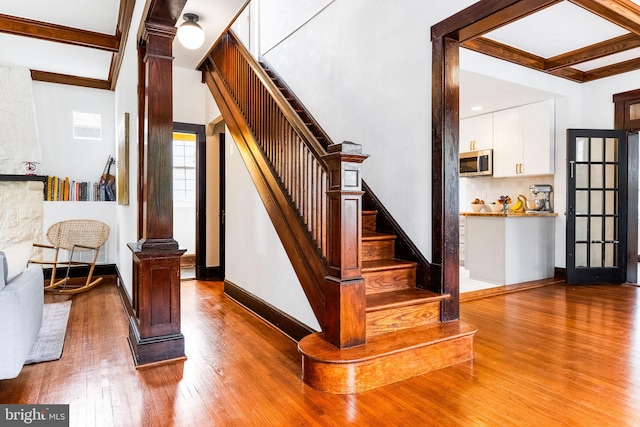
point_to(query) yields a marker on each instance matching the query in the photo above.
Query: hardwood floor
(553, 355)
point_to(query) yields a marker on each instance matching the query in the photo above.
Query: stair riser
(394, 319)
(389, 280)
(368, 222)
(377, 249)
(357, 377)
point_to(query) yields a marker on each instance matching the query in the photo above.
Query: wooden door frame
(446, 36)
(623, 121)
(204, 272)
(201, 194)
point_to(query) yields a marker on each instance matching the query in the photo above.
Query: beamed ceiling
(579, 40)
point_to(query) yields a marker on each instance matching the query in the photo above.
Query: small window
(87, 126)
(184, 167)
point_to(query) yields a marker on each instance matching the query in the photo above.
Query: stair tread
(315, 347)
(401, 298)
(386, 264)
(374, 235)
(369, 212)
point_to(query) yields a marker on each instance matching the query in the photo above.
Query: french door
(596, 206)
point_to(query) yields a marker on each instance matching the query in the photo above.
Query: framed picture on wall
(123, 160)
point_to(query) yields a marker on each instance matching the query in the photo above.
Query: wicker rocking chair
(74, 235)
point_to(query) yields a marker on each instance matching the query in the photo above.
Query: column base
(163, 348)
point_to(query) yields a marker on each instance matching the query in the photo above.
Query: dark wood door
(596, 206)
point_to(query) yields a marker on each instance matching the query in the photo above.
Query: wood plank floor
(554, 355)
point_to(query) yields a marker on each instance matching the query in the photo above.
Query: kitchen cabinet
(476, 133)
(509, 249)
(524, 140)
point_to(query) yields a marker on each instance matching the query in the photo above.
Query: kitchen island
(509, 248)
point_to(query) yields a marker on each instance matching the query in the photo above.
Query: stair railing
(294, 153)
(318, 185)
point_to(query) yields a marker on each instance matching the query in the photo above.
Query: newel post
(345, 299)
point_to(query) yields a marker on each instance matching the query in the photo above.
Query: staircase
(405, 337)
(402, 331)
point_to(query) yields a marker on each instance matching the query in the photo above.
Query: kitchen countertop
(510, 214)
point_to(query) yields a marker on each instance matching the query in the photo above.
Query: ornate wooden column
(345, 299)
(154, 329)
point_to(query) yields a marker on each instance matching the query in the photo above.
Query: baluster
(316, 205)
(302, 184)
(323, 216)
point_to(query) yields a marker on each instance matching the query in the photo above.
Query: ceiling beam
(125, 15)
(612, 70)
(507, 53)
(65, 79)
(486, 16)
(620, 12)
(57, 33)
(589, 53)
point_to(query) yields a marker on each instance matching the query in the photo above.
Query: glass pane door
(596, 212)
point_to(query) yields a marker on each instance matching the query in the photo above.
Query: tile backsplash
(489, 188)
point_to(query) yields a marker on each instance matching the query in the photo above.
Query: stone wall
(20, 202)
(20, 212)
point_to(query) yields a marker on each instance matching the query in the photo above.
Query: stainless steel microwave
(476, 163)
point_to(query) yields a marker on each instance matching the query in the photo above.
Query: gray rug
(50, 340)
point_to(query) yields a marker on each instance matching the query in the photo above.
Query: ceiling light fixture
(190, 33)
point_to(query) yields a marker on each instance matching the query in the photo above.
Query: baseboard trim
(277, 318)
(83, 271)
(209, 273)
(125, 298)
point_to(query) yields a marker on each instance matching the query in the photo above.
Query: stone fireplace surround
(21, 202)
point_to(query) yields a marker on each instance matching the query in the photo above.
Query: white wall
(365, 74)
(188, 96)
(255, 257)
(126, 101)
(62, 155)
(598, 108)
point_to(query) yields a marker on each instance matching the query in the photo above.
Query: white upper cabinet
(507, 142)
(476, 133)
(538, 148)
(523, 141)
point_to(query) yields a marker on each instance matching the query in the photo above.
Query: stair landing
(410, 352)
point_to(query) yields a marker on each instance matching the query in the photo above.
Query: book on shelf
(64, 189)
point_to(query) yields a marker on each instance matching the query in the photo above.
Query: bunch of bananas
(520, 204)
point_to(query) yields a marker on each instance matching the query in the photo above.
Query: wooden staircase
(381, 316)
(405, 337)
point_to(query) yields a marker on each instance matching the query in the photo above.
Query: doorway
(211, 203)
(187, 138)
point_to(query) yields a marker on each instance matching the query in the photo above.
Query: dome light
(190, 34)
